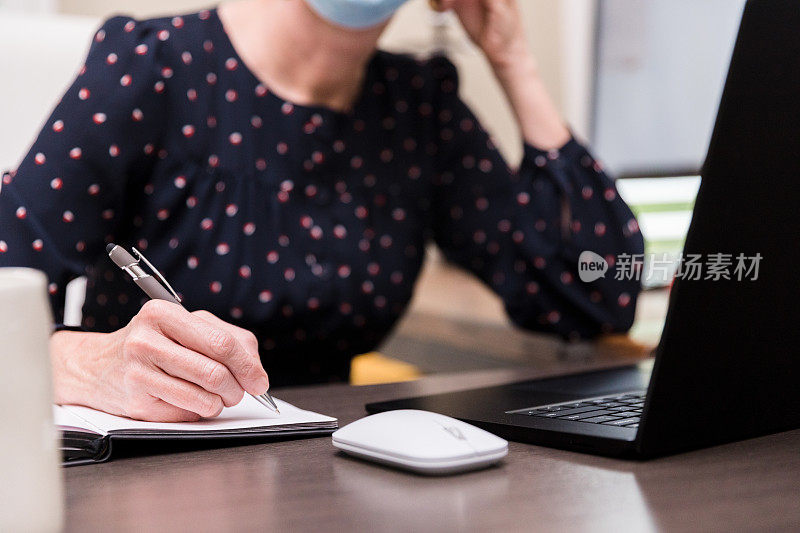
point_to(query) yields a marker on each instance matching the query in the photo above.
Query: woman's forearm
(539, 120)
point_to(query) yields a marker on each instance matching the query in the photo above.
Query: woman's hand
(495, 26)
(167, 364)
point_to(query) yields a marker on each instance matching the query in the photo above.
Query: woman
(285, 177)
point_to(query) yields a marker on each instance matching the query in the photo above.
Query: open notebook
(88, 435)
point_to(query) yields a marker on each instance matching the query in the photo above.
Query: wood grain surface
(306, 485)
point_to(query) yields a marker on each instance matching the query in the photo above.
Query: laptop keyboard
(623, 410)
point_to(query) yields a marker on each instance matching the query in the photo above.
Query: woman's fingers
(196, 368)
(194, 333)
(181, 366)
(160, 411)
(182, 394)
(245, 337)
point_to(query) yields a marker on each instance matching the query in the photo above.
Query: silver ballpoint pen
(158, 288)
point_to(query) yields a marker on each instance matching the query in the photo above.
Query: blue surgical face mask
(355, 14)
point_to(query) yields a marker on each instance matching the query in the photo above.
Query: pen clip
(158, 275)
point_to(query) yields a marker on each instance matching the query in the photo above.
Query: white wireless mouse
(421, 441)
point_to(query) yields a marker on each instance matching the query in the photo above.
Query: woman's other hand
(167, 364)
(494, 25)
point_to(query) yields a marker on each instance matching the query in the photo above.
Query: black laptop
(728, 364)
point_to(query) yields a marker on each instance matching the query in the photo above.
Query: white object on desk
(421, 441)
(30, 477)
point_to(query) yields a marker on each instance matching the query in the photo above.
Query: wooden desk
(306, 485)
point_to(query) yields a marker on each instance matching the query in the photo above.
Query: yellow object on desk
(374, 368)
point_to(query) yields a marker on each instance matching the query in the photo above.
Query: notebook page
(247, 414)
(63, 416)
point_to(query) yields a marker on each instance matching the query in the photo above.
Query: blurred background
(638, 79)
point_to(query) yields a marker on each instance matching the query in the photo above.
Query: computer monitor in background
(659, 71)
(660, 67)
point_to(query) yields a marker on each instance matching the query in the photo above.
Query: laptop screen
(729, 360)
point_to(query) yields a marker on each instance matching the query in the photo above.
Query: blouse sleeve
(521, 232)
(65, 201)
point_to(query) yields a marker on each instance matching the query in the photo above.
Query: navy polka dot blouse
(304, 225)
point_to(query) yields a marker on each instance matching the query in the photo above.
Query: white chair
(39, 57)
